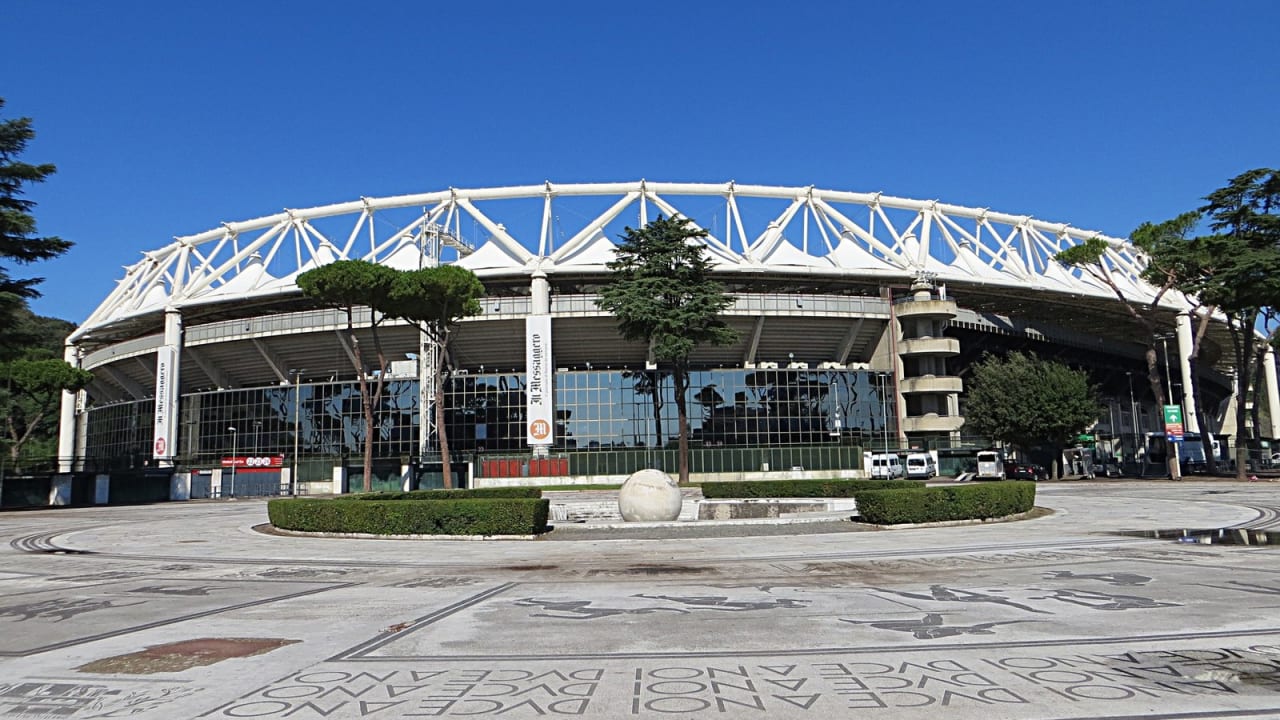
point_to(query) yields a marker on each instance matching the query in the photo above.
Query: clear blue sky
(167, 118)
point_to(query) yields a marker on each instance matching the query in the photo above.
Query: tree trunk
(681, 376)
(366, 403)
(1255, 398)
(375, 406)
(655, 384)
(1206, 438)
(441, 433)
(1240, 345)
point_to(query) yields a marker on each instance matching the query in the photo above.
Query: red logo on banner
(540, 429)
(160, 447)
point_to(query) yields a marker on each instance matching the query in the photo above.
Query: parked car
(886, 466)
(990, 467)
(921, 466)
(1024, 471)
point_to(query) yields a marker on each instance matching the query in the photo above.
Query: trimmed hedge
(454, 494)
(800, 488)
(493, 516)
(946, 502)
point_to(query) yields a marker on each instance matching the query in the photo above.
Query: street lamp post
(297, 427)
(1133, 415)
(234, 438)
(1176, 472)
(257, 427)
(1168, 369)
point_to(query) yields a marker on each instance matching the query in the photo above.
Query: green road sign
(1173, 422)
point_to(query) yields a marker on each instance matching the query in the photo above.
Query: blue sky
(167, 118)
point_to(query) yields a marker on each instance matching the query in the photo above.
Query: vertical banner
(166, 401)
(539, 395)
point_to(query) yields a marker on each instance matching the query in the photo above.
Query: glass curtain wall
(595, 410)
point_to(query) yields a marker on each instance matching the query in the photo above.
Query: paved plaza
(188, 611)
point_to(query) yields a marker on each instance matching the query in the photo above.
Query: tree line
(1224, 258)
(33, 374)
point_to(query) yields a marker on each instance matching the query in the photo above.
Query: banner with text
(539, 374)
(166, 401)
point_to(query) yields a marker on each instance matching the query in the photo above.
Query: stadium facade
(858, 316)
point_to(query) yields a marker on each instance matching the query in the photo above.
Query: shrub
(482, 516)
(800, 488)
(474, 493)
(953, 502)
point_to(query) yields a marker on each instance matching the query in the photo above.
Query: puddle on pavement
(1215, 536)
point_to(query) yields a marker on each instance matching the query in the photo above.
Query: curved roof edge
(805, 230)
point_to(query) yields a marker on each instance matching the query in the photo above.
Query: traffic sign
(1173, 422)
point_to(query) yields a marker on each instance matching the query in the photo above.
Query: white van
(886, 466)
(921, 465)
(990, 465)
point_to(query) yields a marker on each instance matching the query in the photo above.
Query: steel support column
(429, 358)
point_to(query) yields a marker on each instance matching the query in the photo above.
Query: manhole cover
(179, 656)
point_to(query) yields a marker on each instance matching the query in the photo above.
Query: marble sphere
(649, 496)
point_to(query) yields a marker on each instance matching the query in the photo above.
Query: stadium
(858, 316)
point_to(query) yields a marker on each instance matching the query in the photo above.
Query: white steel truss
(816, 233)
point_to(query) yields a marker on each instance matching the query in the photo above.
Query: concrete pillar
(1273, 391)
(540, 293)
(67, 416)
(900, 400)
(168, 361)
(1185, 339)
(82, 432)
